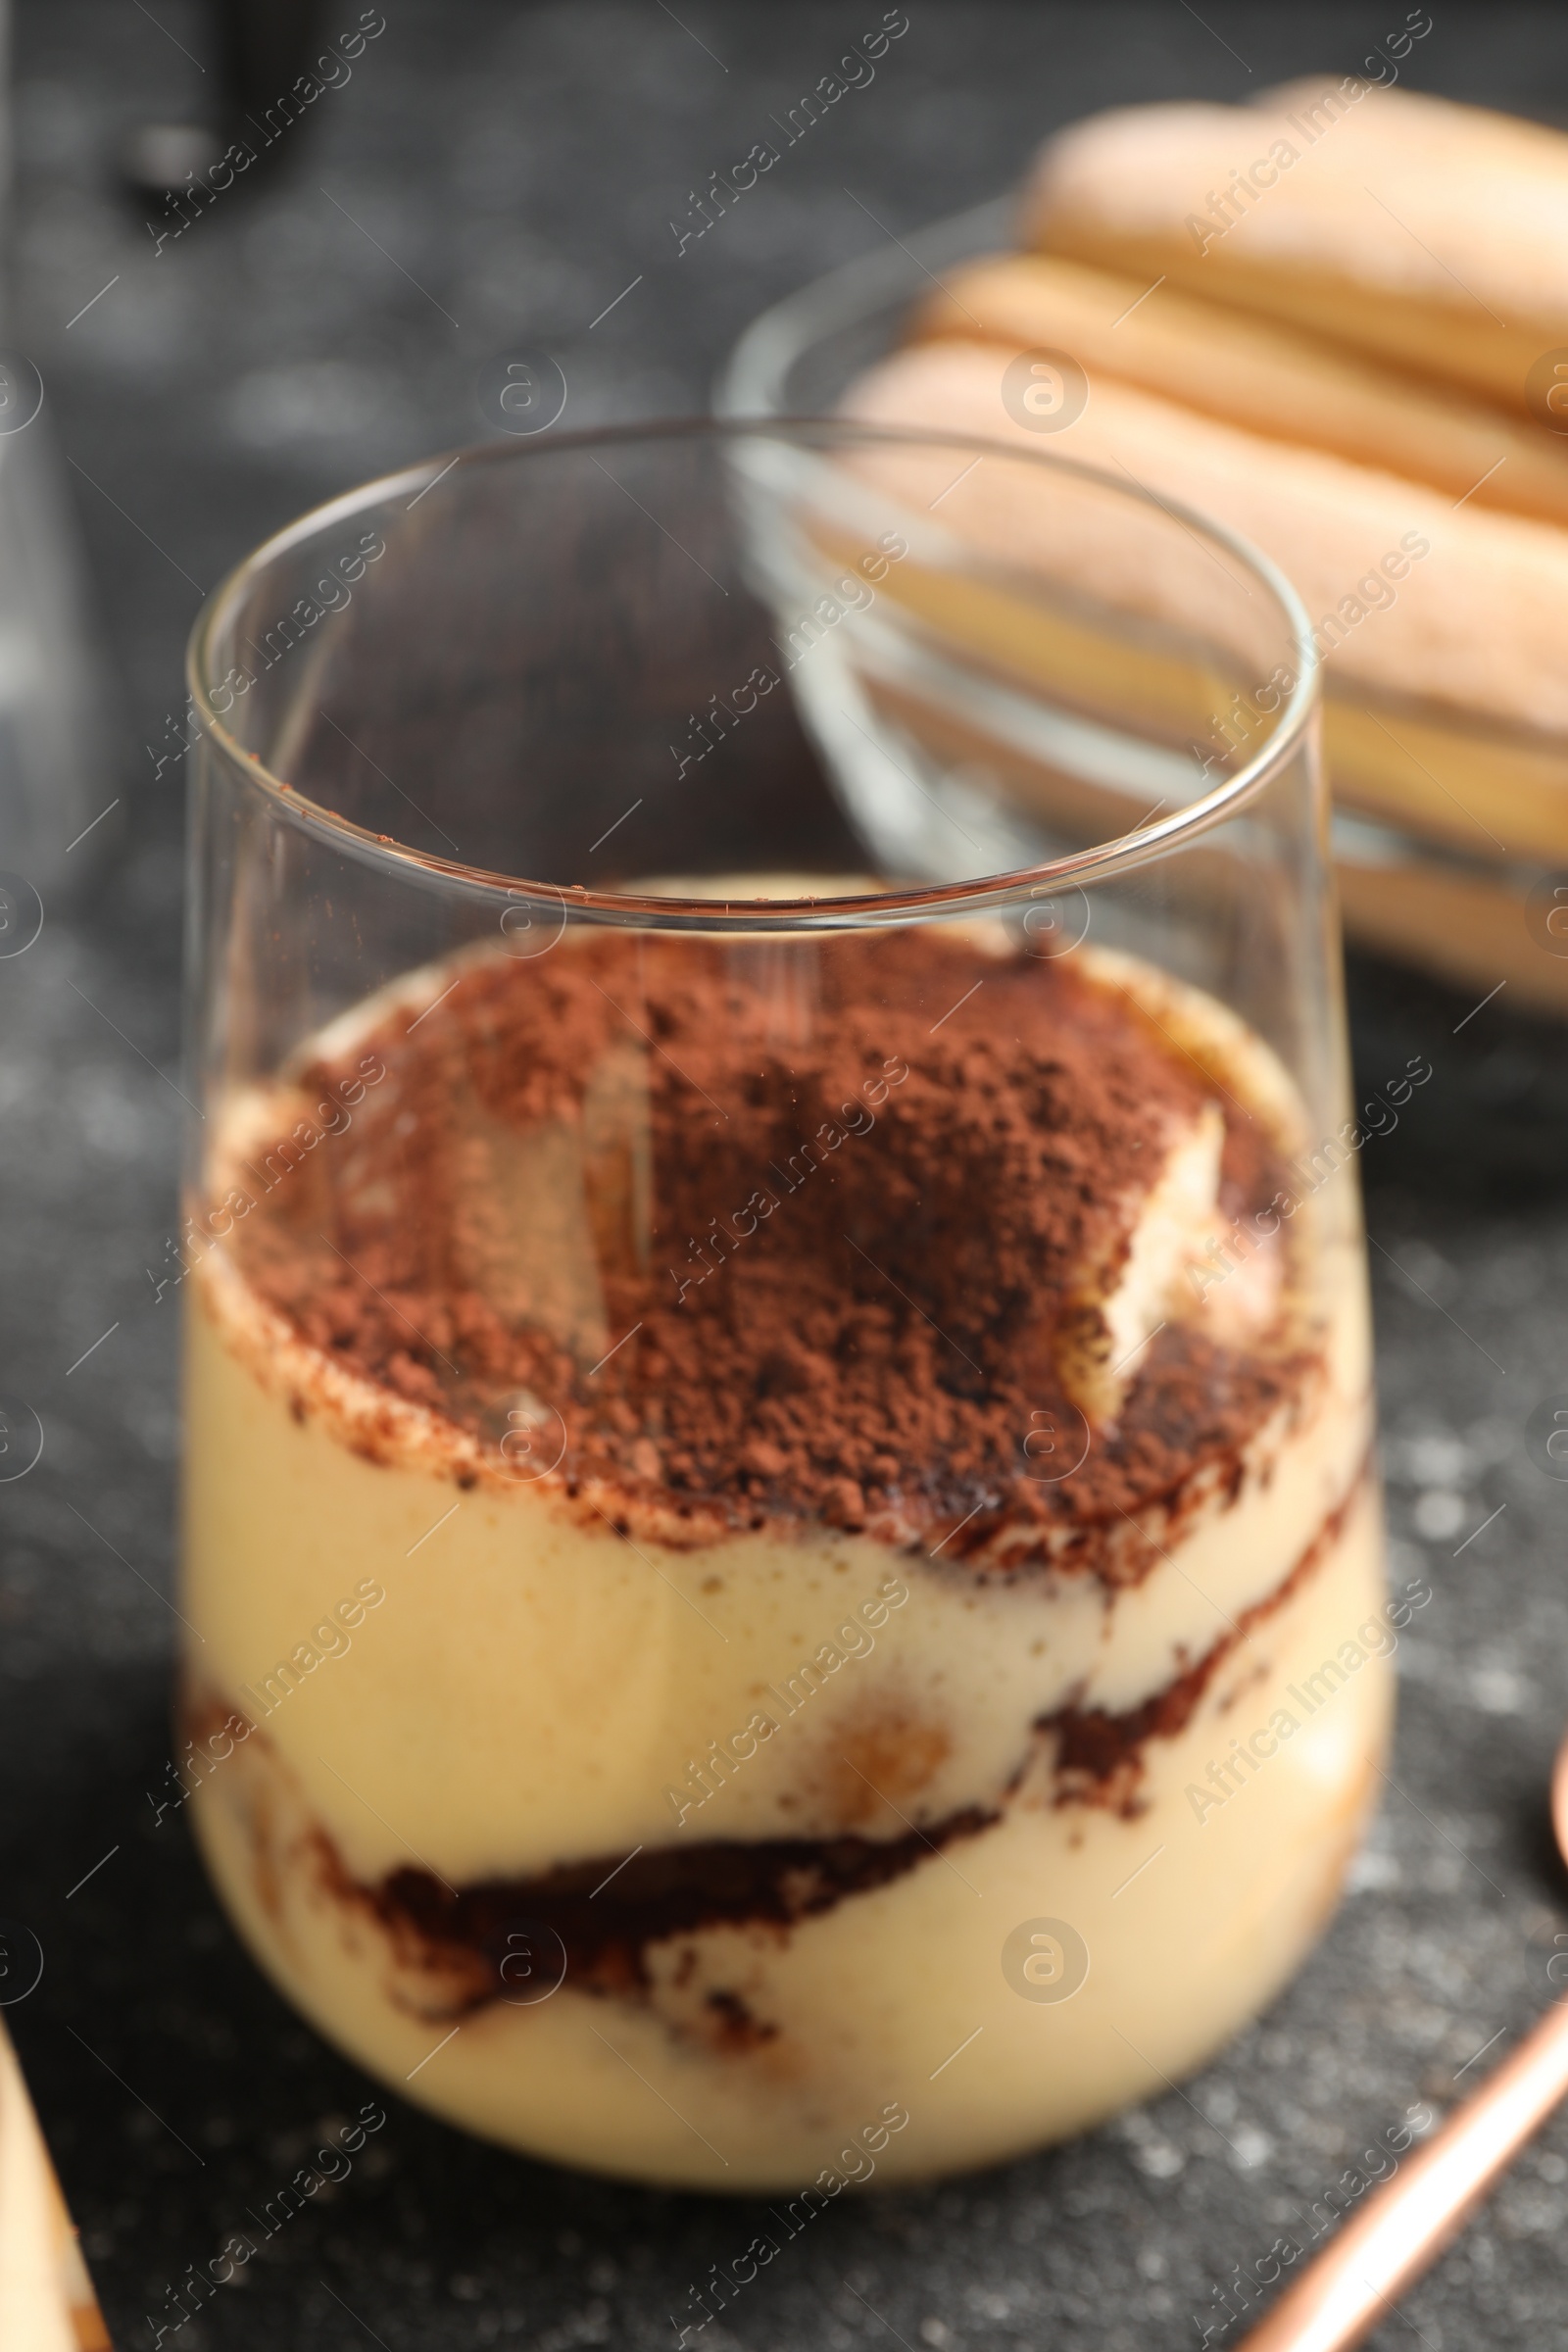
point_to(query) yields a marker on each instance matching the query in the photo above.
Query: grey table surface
(495, 175)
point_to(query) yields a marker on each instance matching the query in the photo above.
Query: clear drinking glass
(777, 1498)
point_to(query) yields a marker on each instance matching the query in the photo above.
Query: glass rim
(1101, 861)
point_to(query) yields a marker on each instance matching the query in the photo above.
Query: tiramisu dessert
(776, 1525)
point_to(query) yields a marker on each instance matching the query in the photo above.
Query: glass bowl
(1423, 878)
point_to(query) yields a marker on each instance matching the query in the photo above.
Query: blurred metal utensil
(1403, 2227)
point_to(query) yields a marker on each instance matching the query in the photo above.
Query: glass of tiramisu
(778, 1525)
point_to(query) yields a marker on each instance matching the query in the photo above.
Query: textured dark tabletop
(493, 177)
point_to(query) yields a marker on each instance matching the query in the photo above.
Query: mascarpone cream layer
(1193, 1915)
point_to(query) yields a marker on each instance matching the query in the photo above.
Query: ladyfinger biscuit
(1469, 927)
(1254, 373)
(1432, 234)
(1418, 605)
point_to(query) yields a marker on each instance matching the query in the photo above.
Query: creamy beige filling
(1192, 1912)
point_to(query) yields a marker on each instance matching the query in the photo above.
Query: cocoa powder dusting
(780, 1227)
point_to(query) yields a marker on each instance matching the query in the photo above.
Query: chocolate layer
(606, 1913)
(1100, 1755)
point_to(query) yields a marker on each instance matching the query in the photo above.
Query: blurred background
(488, 182)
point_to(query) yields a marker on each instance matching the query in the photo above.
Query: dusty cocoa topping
(782, 1226)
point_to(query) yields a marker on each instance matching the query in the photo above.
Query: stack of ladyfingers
(1336, 321)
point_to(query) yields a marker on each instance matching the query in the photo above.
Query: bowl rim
(1101, 862)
